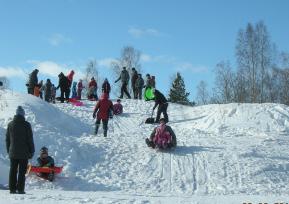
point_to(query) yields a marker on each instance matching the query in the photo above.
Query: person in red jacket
(70, 79)
(92, 90)
(103, 111)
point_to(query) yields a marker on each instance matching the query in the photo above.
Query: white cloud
(12, 72)
(106, 62)
(56, 39)
(186, 66)
(50, 68)
(139, 32)
(146, 58)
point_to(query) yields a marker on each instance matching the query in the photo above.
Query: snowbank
(227, 151)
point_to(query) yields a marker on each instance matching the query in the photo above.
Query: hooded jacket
(19, 139)
(103, 107)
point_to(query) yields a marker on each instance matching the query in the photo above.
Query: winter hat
(162, 120)
(43, 150)
(20, 111)
(118, 100)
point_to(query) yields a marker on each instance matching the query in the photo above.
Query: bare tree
(224, 82)
(90, 71)
(129, 58)
(202, 93)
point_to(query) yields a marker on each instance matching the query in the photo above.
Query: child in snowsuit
(117, 108)
(74, 93)
(162, 137)
(103, 111)
(45, 161)
(92, 90)
(79, 89)
(53, 93)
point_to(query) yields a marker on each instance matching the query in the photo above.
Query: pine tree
(178, 92)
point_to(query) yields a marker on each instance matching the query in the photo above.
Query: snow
(232, 153)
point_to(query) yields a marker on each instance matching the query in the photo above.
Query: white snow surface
(232, 153)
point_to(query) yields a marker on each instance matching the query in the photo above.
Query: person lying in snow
(117, 108)
(162, 137)
(45, 161)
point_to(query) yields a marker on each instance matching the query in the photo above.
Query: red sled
(75, 102)
(37, 169)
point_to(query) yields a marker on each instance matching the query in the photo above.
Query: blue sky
(189, 36)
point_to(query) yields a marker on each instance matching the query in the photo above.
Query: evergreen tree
(178, 92)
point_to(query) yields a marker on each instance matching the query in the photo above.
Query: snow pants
(162, 108)
(17, 166)
(124, 90)
(105, 126)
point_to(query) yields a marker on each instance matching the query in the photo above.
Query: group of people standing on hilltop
(137, 83)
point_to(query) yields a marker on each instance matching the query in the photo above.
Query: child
(45, 161)
(74, 93)
(37, 91)
(79, 89)
(53, 93)
(117, 108)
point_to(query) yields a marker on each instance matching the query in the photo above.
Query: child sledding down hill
(45, 161)
(117, 108)
(162, 137)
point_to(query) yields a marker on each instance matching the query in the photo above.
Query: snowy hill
(226, 154)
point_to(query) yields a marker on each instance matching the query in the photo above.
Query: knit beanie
(20, 111)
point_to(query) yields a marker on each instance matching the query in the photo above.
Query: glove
(30, 155)
(94, 115)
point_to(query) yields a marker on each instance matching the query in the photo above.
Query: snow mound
(232, 149)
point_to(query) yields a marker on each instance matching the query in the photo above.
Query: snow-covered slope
(233, 152)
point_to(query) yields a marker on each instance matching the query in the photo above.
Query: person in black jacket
(124, 77)
(134, 76)
(64, 87)
(106, 86)
(162, 103)
(32, 81)
(20, 147)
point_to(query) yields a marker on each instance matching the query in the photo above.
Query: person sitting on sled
(44, 160)
(162, 137)
(117, 108)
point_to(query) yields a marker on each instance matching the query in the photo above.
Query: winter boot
(105, 133)
(50, 177)
(149, 143)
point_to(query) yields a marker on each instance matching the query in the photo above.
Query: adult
(63, 84)
(102, 112)
(124, 77)
(32, 81)
(139, 84)
(162, 103)
(162, 137)
(20, 147)
(106, 86)
(134, 76)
